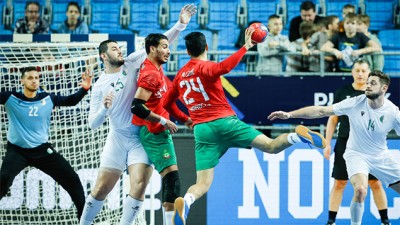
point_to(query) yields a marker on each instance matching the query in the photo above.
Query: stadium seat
(106, 21)
(144, 16)
(389, 42)
(261, 10)
(175, 7)
(222, 19)
(381, 13)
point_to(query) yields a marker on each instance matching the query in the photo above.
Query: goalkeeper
(29, 111)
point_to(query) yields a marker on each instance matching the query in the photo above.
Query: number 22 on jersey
(191, 85)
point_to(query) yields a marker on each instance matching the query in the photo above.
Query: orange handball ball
(260, 32)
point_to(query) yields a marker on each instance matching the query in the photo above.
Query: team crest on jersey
(362, 113)
(166, 155)
(43, 102)
(124, 72)
(382, 118)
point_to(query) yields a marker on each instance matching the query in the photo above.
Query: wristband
(163, 121)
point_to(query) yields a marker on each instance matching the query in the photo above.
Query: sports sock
(356, 212)
(293, 138)
(130, 210)
(168, 217)
(189, 199)
(91, 209)
(332, 216)
(384, 215)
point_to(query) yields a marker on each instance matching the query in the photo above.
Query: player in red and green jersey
(216, 127)
(148, 110)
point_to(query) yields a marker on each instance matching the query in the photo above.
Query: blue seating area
(223, 18)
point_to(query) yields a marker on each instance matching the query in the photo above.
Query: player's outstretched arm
(310, 112)
(184, 18)
(74, 99)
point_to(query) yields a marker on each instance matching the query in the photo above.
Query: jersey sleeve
(135, 59)
(97, 111)
(345, 106)
(148, 80)
(4, 97)
(215, 70)
(69, 100)
(397, 121)
(173, 33)
(174, 111)
(170, 98)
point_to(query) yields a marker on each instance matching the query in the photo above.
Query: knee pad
(171, 187)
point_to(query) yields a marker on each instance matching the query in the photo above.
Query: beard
(117, 62)
(372, 96)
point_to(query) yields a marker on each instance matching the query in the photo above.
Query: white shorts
(384, 166)
(123, 148)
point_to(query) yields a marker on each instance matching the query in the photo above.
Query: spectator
(348, 8)
(32, 23)
(349, 45)
(299, 63)
(307, 13)
(73, 24)
(269, 62)
(331, 24)
(376, 61)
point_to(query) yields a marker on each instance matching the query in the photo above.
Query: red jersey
(154, 80)
(198, 85)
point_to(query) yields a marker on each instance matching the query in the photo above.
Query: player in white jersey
(371, 118)
(112, 96)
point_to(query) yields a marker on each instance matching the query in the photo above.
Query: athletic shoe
(386, 222)
(310, 137)
(181, 211)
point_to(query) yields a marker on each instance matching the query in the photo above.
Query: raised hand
(186, 13)
(248, 43)
(279, 115)
(86, 80)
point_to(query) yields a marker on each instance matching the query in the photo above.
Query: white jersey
(368, 127)
(123, 84)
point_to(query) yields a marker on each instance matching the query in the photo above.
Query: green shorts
(214, 138)
(159, 148)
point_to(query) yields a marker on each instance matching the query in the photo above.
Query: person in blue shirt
(29, 112)
(73, 24)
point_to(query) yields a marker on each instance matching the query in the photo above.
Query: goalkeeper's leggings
(45, 158)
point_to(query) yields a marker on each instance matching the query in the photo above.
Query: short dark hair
(273, 16)
(27, 69)
(195, 43)
(383, 77)
(103, 47)
(74, 4)
(361, 60)
(307, 5)
(30, 3)
(349, 6)
(153, 40)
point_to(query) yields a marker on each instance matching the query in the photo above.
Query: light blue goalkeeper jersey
(29, 119)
